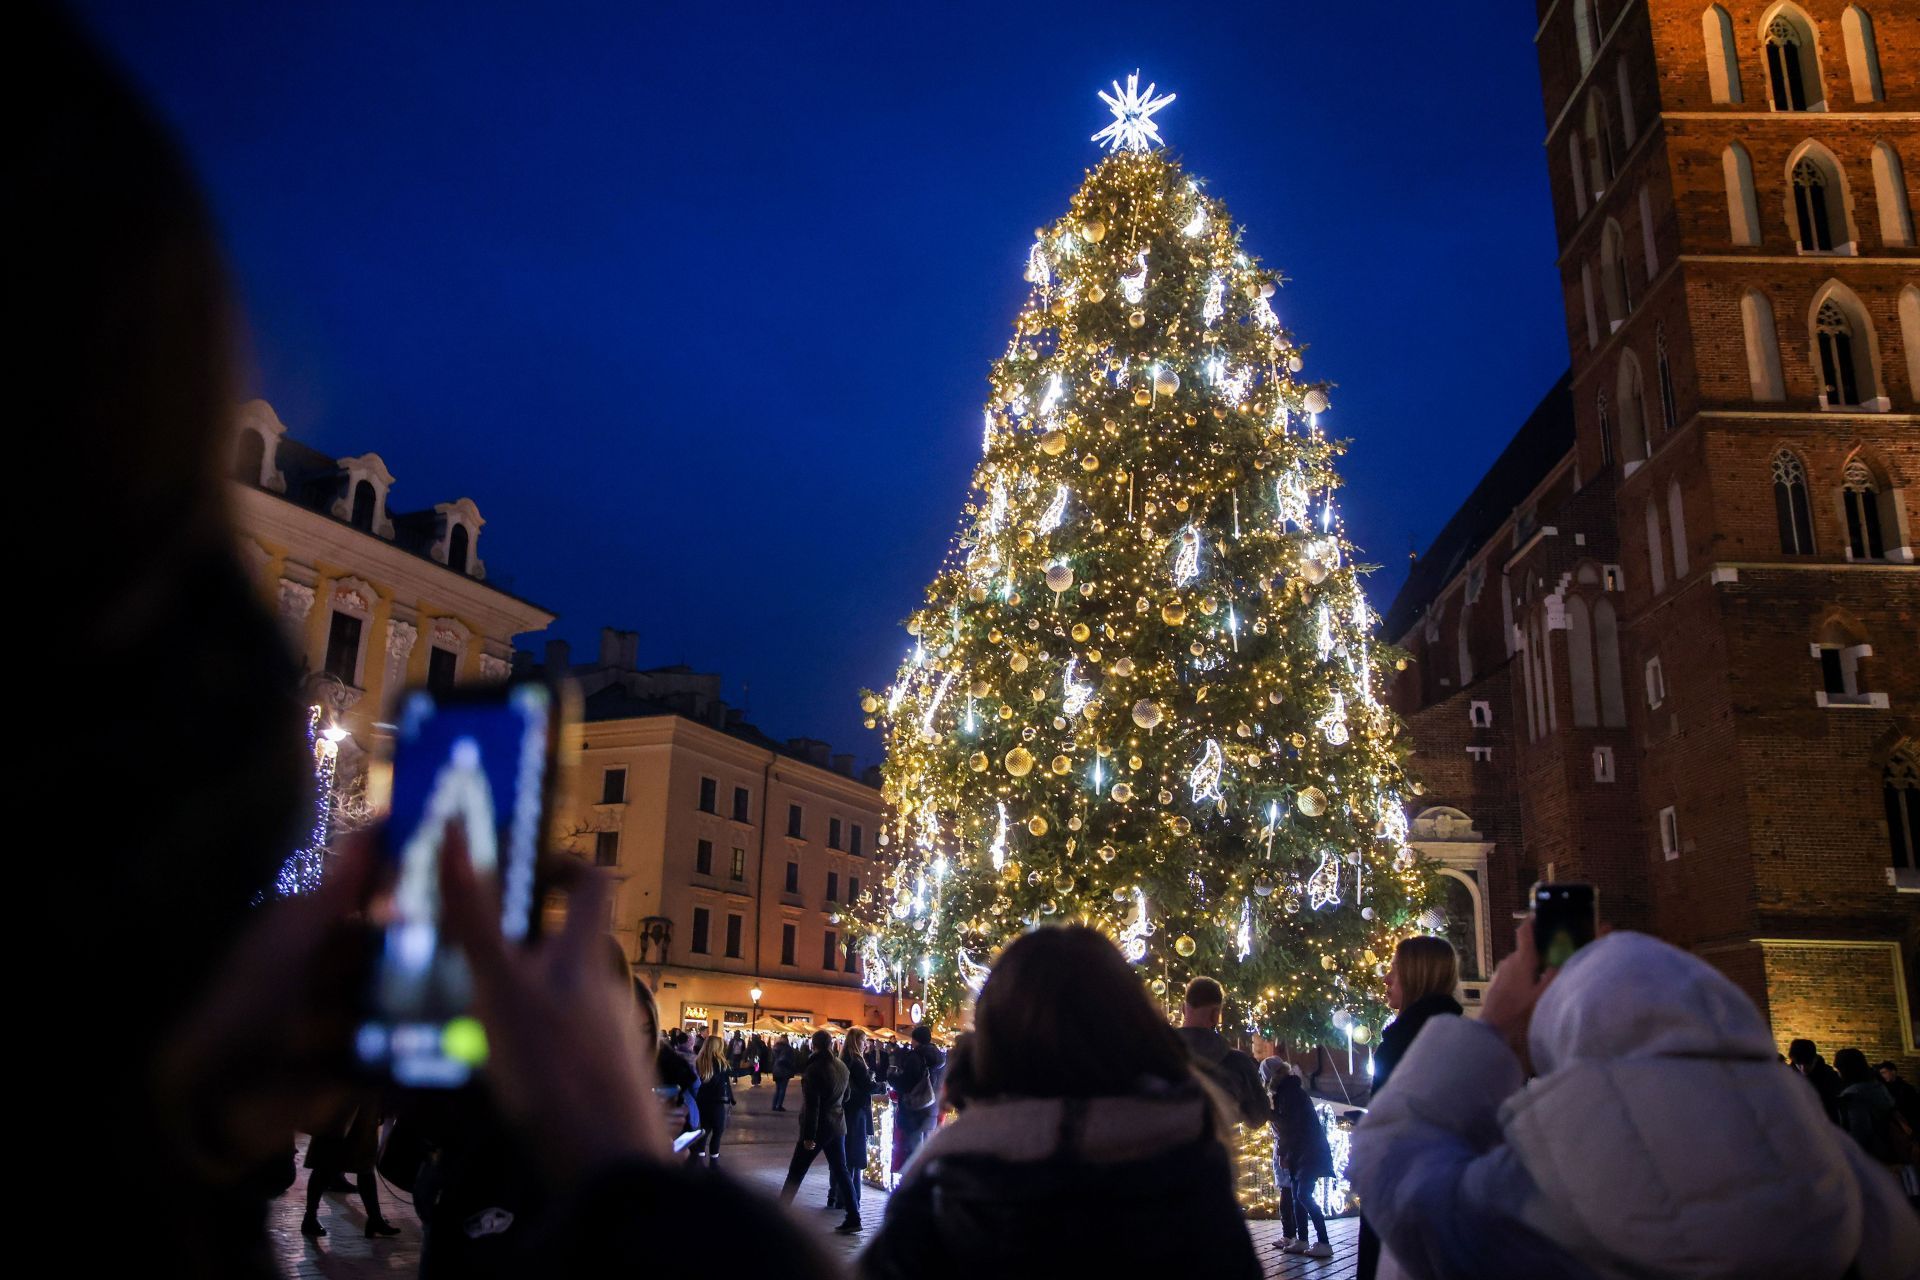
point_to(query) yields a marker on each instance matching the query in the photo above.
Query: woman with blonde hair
(859, 1109)
(1420, 984)
(714, 1095)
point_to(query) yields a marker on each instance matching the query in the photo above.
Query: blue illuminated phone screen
(479, 764)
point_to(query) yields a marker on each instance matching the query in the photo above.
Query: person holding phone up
(1660, 1137)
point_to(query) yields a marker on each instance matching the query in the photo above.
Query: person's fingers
(470, 910)
(582, 943)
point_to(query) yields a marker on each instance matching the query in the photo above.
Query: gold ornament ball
(1054, 443)
(1166, 796)
(977, 593)
(1122, 667)
(1142, 396)
(1314, 570)
(1180, 504)
(1025, 539)
(1063, 883)
(1399, 664)
(1122, 792)
(1181, 826)
(1276, 697)
(1093, 231)
(1137, 319)
(1074, 823)
(1209, 605)
(1096, 294)
(1159, 986)
(1298, 740)
(978, 762)
(1185, 945)
(1006, 712)
(994, 634)
(1086, 588)
(1173, 613)
(1081, 632)
(1037, 825)
(1013, 601)
(1108, 853)
(1328, 963)
(1266, 288)
(1196, 648)
(979, 688)
(1059, 307)
(869, 704)
(1061, 764)
(1313, 802)
(1146, 713)
(1090, 463)
(871, 722)
(1019, 762)
(1018, 662)
(1135, 762)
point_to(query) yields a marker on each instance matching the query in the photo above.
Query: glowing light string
(1186, 562)
(998, 849)
(1133, 938)
(1204, 779)
(1323, 886)
(1134, 287)
(1056, 511)
(1132, 128)
(1076, 696)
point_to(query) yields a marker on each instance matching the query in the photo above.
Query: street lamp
(755, 993)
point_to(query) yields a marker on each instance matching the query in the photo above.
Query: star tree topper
(1133, 128)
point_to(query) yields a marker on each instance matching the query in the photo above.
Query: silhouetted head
(923, 1035)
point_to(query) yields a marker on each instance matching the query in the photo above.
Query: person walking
(859, 1111)
(736, 1054)
(350, 1144)
(1420, 985)
(1301, 1141)
(1231, 1069)
(715, 1095)
(1659, 1138)
(782, 1072)
(1088, 1146)
(823, 1128)
(915, 1080)
(756, 1058)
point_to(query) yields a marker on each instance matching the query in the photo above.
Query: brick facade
(1777, 863)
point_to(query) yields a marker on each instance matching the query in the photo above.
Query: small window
(1844, 376)
(1866, 539)
(1835, 677)
(741, 804)
(1901, 791)
(734, 924)
(1603, 764)
(739, 865)
(853, 961)
(1656, 683)
(343, 649)
(1790, 75)
(441, 664)
(1813, 210)
(1670, 833)
(709, 796)
(1612, 578)
(833, 833)
(833, 886)
(364, 501)
(1669, 407)
(853, 889)
(613, 787)
(1790, 505)
(1480, 714)
(703, 858)
(701, 917)
(793, 877)
(606, 848)
(789, 936)
(830, 951)
(796, 822)
(855, 844)
(458, 543)
(1606, 430)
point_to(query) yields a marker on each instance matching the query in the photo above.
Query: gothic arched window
(1669, 410)
(1813, 205)
(1840, 376)
(1790, 505)
(1790, 68)
(1861, 494)
(1900, 786)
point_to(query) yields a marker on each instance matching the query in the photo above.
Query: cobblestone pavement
(756, 1148)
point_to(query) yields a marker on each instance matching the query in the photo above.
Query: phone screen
(1564, 919)
(479, 759)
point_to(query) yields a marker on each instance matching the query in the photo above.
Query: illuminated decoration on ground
(1142, 697)
(1133, 128)
(306, 866)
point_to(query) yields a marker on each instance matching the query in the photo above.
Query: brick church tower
(1691, 580)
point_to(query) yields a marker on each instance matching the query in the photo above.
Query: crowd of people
(1623, 1116)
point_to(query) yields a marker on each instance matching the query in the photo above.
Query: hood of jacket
(1664, 1135)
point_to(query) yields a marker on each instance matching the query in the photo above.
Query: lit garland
(1168, 700)
(305, 866)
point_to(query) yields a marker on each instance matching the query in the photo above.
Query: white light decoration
(972, 972)
(1076, 696)
(1039, 271)
(1393, 820)
(1243, 937)
(933, 708)
(1323, 886)
(1290, 496)
(1204, 779)
(1236, 385)
(302, 871)
(1132, 128)
(1323, 639)
(1186, 561)
(1197, 224)
(1362, 615)
(1215, 306)
(986, 431)
(1056, 511)
(1134, 287)
(940, 868)
(1273, 824)
(1263, 314)
(998, 849)
(997, 508)
(1333, 725)
(1133, 938)
(1215, 367)
(873, 969)
(1055, 391)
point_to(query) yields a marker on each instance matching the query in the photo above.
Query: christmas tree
(1142, 691)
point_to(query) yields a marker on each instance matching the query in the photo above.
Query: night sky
(697, 302)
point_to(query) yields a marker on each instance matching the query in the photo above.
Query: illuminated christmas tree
(1143, 691)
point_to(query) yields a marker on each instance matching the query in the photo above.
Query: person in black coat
(781, 1062)
(915, 1078)
(1420, 984)
(1804, 1057)
(823, 1128)
(1300, 1139)
(1083, 1107)
(859, 1112)
(714, 1095)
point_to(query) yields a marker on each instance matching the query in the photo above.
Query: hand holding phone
(1565, 918)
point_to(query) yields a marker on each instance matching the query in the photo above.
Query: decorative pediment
(1444, 823)
(355, 596)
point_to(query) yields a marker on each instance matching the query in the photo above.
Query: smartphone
(482, 757)
(1565, 917)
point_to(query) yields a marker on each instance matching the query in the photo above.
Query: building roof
(1542, 441)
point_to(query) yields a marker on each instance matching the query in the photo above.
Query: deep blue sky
(697, 302)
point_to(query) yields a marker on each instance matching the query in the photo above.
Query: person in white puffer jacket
(1661, 1138)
